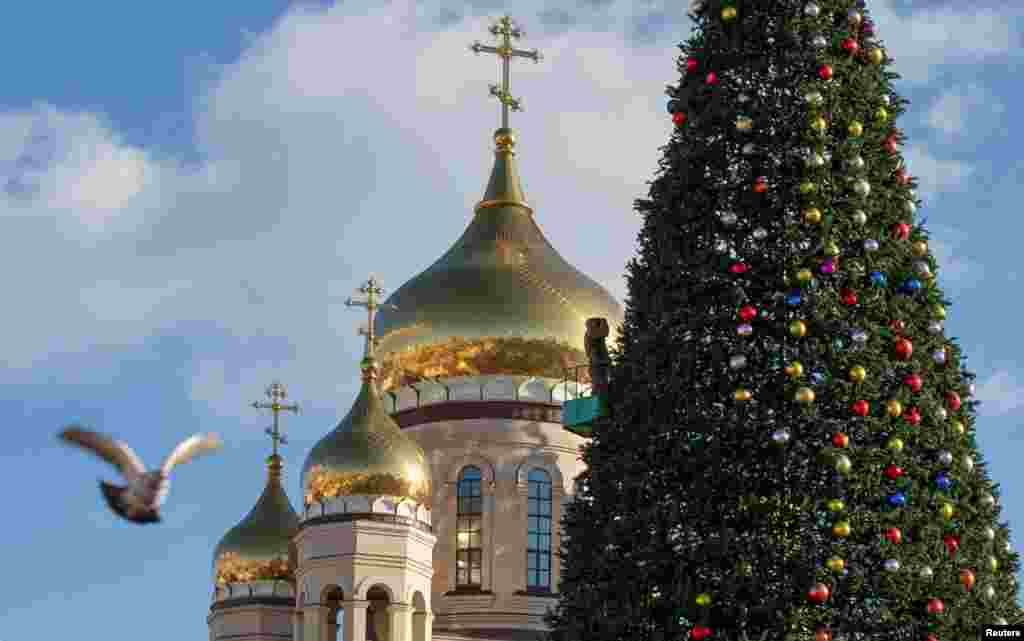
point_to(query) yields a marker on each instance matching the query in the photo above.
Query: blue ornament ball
(878, 279)
(899, 499)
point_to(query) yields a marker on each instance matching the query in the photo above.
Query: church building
(431, 511)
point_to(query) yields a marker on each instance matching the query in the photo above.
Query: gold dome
(366, 454)
(258, 547)
(502, 280)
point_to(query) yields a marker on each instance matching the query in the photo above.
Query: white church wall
(504, 450)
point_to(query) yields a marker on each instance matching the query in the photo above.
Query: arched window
(538, 533)
(469, 517)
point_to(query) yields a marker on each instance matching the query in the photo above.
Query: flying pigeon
(139, 501)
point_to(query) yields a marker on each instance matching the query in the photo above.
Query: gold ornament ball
(836, 505)
(855, 128)
(895, 444)
(812, 216)
(841, 529)
(836, 564)
(858, 374)
(919, 248)
(940, 312)
(704, 599)
(958, 427)
(744, 124)
(993, 563)
(729, 13)
(947, 511)
(804, 275)
(798, 329)
(795, 369)
(831, 248)
(742, 395)
(881, 114)
(804, 395)
(819, 125)
(843, 464)
(894, 407)
(876, 56)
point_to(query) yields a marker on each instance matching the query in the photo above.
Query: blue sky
(192, 190)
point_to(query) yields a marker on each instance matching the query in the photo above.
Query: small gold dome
(258, 547)
(366, 454)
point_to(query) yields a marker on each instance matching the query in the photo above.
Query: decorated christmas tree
(790, 449)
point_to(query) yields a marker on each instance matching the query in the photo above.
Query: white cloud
(923, 42)
(934, 175)
(948, 245)
(961, 109)
(1000, 394)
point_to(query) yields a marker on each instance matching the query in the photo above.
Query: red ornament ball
(912, 416)
(679, 118)
(893, 535)
(931, 637)
(904, 349)
(894, 472)
(936, 606)
(901, 176)
(761, 184)
(748, 313)
(952, 543)
(691, 64)
(822, 634)
(914, 382)
(861, 407)
(825, 72)
(901, 231)
(819, 593)
(848, 295)
(840, 440)
(952, 401)
(738, 268)
(897, 325)
(891, 145)
(850, 46)
(712, 78)
(700, 632)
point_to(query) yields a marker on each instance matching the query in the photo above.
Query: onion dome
(367, 453)
(501, 300)
(258, 547)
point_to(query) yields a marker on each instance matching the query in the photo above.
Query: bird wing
(117, 453)
(193, 446)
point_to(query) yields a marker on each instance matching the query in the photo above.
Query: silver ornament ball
(870, 245)
(780, 437)
(939, 356)
(927, 572)
(892, 565)
(968, 463)
(935, 327)
(812, 10)
(860, 217)
(819, 42)
(946, 457)
(738, 361)
(745, 329)
(941, 413)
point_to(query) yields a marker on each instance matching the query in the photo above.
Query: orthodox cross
(276, 393)
(371, 289)
(506, 31)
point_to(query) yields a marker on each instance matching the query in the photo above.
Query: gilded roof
(366, 454)
(501, 279)
(258, 547)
